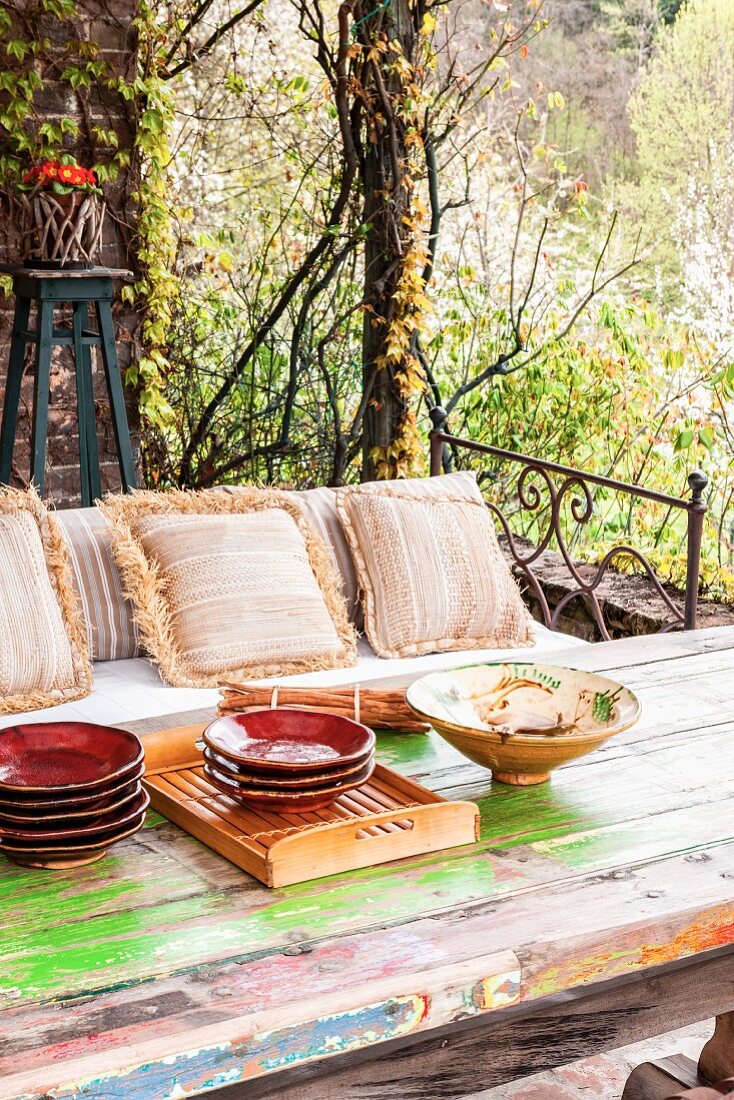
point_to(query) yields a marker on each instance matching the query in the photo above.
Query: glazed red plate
(94, 830)
(284, 740)
(282, 779)
(63, 853)
(54, 756)
(54, 816)
(70, 799)
(298, 801)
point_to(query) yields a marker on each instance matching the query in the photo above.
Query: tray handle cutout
(404, 826)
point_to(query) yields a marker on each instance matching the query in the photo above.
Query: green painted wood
(13, 380)
(41, 388)
(63, 336)
(605, 824)
(86, 415)
(587, 857)
(117, 397)
(83, 380)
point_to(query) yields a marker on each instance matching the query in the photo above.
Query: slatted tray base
(388, 818)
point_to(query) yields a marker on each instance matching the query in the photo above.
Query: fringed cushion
(228, 585)
(431, 570)
(43, 654)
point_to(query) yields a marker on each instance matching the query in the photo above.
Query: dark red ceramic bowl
(300, 800)
(282, 779)
(20, 816)
(60, 854)
(56, 756)
(282, 740)
(71, 799)
(92, 830)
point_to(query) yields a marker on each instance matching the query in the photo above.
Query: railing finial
(698, 482)
(438, 416)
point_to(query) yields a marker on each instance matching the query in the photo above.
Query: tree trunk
(386, 201)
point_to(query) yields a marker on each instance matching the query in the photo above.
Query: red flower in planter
(62, 176)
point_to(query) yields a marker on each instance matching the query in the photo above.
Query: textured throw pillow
(108, 616)
(319, 508)
(431, 570)
(43, 656)
(228, 585)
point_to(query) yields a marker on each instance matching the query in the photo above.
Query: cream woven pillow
(43, 656)
(228, 585)
(430, 567)
(319, 508)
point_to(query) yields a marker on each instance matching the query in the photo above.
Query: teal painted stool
(50, 290)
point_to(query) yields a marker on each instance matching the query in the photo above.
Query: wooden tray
(387, 818)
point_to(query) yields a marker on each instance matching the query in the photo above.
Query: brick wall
(111, 29)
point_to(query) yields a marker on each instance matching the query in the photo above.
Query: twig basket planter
(60, 231)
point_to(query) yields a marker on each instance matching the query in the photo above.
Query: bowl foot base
(521, 779)
(54, 864)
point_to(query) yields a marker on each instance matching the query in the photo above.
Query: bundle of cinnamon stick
(378, 709)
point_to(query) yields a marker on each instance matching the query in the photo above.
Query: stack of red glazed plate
(68, 790)
(288, 760)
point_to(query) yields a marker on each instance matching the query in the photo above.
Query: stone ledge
(629, 602)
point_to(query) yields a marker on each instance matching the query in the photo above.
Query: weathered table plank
(162, 968)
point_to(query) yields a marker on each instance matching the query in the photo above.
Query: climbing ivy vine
(156, 289)
(33, 62)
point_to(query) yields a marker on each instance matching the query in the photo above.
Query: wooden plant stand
(49, 290)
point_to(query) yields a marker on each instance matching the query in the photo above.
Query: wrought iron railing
(544, 486)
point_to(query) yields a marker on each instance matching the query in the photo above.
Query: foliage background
(579, 289)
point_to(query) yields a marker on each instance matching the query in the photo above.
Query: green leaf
(153, 120)
(684, 440)
(17, 48)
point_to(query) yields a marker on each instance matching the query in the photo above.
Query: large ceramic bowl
(522, 719)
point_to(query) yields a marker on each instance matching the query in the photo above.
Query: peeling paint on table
(122, 978)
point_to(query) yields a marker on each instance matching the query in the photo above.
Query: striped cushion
(112, 633)
(430, 567)
(43, 656)
(319, 507)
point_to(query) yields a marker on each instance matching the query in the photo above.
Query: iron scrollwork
(544, 485)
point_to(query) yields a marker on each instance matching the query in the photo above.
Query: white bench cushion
(125, 691)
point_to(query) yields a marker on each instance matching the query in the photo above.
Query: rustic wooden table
(595, 910)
